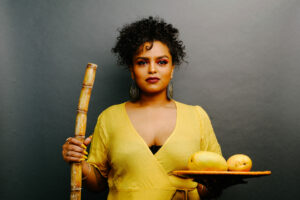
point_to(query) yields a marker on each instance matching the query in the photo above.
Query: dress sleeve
(208, 140)
(98, 155)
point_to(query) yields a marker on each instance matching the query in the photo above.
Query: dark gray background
(243, 69)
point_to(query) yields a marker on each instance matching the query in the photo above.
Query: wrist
(202, 190)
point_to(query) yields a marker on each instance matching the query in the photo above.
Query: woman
(137, 144)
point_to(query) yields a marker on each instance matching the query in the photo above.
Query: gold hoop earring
(170, 90)
(134, 92)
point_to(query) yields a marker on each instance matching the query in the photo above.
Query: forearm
(93, 179)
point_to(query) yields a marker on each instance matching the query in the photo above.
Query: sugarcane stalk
(80, 127)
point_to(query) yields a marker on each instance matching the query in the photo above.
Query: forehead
(155, 49)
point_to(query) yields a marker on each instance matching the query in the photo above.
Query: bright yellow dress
(132, 170)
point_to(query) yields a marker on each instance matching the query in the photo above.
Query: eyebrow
(145, 58)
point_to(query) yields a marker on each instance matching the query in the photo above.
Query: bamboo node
(80, 136)
(87, 86)
(81, 111)
(76, 189)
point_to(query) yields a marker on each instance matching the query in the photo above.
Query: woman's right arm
(94, 180)
(74, 150)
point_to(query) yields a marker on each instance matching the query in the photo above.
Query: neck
(158, 99)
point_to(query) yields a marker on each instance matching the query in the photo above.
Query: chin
(153, 89)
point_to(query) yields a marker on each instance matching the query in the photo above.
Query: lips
(152, 79)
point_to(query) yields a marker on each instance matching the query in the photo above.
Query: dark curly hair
(150, 29)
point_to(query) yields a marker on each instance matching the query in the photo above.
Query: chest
(177, 131)
(154, 126)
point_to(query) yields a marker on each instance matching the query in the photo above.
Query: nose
(152, 68)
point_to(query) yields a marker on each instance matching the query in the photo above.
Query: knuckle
(72, 148)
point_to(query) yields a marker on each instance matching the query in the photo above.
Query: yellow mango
(207, 161)
(239, 162)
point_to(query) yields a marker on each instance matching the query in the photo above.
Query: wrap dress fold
(133, 172)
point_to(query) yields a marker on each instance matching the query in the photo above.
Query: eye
(141, 62)
(162, 62)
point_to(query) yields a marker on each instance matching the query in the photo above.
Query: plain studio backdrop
(243, 70)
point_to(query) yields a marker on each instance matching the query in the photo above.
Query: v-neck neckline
(142, 139)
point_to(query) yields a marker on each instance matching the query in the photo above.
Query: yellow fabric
(133, 172)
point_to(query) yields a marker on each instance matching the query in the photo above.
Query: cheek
(167, 74)
(166, 79)
(137, 73)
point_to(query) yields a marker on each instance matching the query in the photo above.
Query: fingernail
(81, 159)
(83, 146)
(85, 157)
(85, 152)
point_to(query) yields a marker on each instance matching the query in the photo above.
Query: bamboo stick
(80, 127)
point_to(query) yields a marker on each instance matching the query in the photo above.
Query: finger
(74, 159)
(72, 147)
(75, 142)
(88, 140)
(67, 140)
(75, 154)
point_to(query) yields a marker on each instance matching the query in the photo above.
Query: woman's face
(152, 68)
